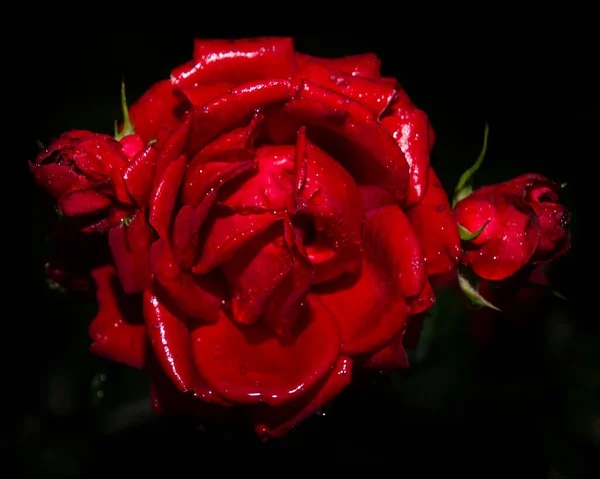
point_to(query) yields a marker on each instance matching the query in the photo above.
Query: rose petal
(186, 231)
(237, 61)
(436, 228)
(115, 331)
(138, 176)
(370, 305)
(172, 149)
(330, 198)
(374, 197)
(234, 109)
(131, 145)
(83, 202)
(366, 65)
(199, 95)
(224, 233)
(198, 296)
(411, 132)
(226, 157)
(391, 356)
(254, 272)
(55, 179)
(167, 399)
(423, 301)
(343, 129)
(172, 345)
(164, 196)
(158, 112)
(510, 242)
(286, 302)
(249, 364)
(372, 94)
(274, 422)
(130, 246)
(268, 187)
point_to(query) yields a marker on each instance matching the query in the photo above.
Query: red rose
(281, 235)
(525, 225)
(84, 171)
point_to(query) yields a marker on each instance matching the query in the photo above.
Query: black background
(525, 404)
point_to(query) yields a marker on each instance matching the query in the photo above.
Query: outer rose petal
(249, 364)
(435, 226)
(84, 202)
(273, 422)
(411, 132)
(374, 95)
(364, 65)
(346, 130)
(130, 246)
(510, 242)
(171, 342)
(391, 356)
(237, 61)
(167, 399)
(370, 307)
(55, 179)
(157, 113)
(115, 331)
(139, 174)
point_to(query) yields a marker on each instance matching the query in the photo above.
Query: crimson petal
(365, 65)
(164, 196)
(200, 297)
(250, 364)
(237, 61)
(330, 198)
(156, 114)
(255, 272)
(391, 356)
(372, 94)
(234, 109)
(411, 132)
(172, 345)
(435, 226)
(370, 305)
(138, 175)
(275, 422)
(114, 335)
(129, 246)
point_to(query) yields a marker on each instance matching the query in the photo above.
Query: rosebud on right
(525, 225)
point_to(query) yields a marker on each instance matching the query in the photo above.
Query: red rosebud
(525, 225)
(84, 171)
(287, 223)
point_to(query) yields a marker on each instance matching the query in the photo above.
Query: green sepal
(127, 126)
(469, 285)
(464, 187)
(466, 235)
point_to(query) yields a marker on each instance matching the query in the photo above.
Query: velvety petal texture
(524, 224)
(273, 223)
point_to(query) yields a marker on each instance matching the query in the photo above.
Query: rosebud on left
(84, 171)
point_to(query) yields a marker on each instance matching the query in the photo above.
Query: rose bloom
(527, 226)
(284, 232)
